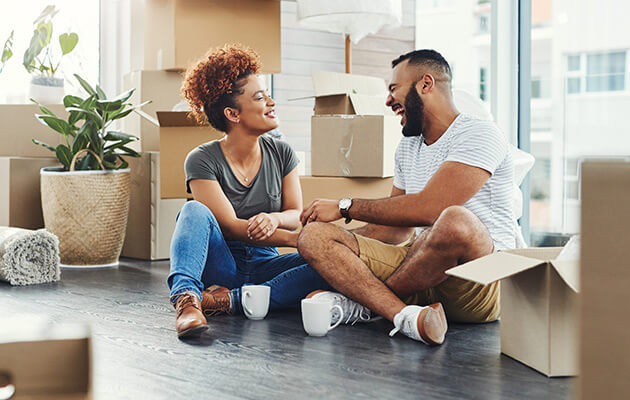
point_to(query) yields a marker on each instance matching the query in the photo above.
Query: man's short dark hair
(427, 58)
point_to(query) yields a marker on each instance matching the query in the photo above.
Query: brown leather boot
(189, 319)
(216, 300)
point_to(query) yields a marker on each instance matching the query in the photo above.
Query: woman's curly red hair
(213, 78)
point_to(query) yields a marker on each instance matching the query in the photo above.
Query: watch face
(345, 203)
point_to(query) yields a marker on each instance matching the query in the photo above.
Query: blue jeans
(201, 257)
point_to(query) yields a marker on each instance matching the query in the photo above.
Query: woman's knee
(196, 211)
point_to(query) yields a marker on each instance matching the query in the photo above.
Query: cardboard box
(347, 94)
(354, 145)
(539, 305)
(151, 220)
(173, 34)
(163, 89)
(605, 276)
(179, 134)
(20, 198)
(337, 188)
(45, 361)
(19, 126)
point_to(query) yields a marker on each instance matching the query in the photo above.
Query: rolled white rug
(28, 257)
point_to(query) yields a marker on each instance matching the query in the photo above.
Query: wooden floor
(137, 354)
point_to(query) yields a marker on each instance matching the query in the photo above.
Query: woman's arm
(211, 195)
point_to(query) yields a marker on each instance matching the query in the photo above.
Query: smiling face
(404, 99)
(257, 109)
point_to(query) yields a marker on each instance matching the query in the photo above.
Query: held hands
(262, 226)
(321, 210)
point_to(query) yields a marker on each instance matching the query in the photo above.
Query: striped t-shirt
(472, 141)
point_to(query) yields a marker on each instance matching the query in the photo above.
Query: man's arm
(454, 183)
(383, 233)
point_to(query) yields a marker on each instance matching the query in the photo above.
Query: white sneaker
(353, 312)
(425, 324)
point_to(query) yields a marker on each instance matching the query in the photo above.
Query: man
(453, 179)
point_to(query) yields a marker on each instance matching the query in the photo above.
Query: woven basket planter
(87, 210)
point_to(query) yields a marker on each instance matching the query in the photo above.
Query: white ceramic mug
(317, 315)
(255, 301)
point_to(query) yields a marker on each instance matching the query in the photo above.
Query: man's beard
(414, 113)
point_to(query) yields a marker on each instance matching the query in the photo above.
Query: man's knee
(458, 226)
(312, 236)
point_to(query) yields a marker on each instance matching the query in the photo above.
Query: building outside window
(596, 72)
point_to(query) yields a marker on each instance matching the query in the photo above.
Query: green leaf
(124, 96)
(129, 152)
(7, 51)
(91, 114)
(86, 86)
(114, 135)
(101, 93)
(109, 165)
(55, 123)
(46, 27)
(48, 13)
(43, 109)
(108, 105)
(123, 165)
(36, 47)
(71, 100)
(96, 143)
(117, 145)
(80, 142)
(84, 163)
(64, 155)
(49, 147)
(68, 42)
(120, 114)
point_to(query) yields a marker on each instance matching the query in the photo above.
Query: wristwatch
(344, 207)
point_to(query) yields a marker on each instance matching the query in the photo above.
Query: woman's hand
(262, 226)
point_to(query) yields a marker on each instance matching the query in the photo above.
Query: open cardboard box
(151, 220)
(353, 133)
(20, 195)
(163, 89)
(347, 94)
(45, 361)
(539, 305)
(170, 35)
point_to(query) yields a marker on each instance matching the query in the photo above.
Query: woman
(247, 198)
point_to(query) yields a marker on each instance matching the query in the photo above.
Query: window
(596, 72)
(81, 17)
(579, 99)
(484, 23)
(483, 83)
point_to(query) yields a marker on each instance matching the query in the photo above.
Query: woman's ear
(231, 114)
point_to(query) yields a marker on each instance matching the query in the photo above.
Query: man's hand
(262, 226)
(321, 210)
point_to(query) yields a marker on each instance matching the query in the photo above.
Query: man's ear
(426, 84)
(231, 114)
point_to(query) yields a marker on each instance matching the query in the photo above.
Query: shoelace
(355, 311)
(402, 319)
(185, 301)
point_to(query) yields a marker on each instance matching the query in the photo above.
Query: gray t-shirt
(265, 192)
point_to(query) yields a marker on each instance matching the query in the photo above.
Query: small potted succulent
(42, 62)
(85, 202)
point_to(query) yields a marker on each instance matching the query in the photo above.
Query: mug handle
(340, 317)
(247, 309)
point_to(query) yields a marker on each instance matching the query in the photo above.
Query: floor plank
(138, 356)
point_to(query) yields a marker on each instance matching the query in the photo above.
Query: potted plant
(85, 201)
(40, 61)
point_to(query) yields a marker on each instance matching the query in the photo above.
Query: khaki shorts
(463, 301)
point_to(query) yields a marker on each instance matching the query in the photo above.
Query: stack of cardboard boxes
(167, 38)
(21, 161)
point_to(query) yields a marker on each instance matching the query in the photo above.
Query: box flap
(569, 271)
(176, 118)
(370, 104)
(326, 83)
(494, 267)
